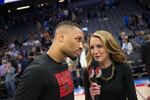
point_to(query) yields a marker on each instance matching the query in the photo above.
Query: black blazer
(145, 54)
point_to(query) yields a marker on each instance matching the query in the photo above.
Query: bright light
(42, 4)
(9, 1)
(85, 28)
(24, 7)
(9, 11)
(61, 0)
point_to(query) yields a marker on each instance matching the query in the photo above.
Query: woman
(127, 46)
(115, 82)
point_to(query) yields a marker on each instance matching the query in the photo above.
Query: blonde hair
(110, 44)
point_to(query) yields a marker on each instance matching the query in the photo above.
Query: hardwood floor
(142, 92)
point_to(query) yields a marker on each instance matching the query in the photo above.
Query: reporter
(116, 82)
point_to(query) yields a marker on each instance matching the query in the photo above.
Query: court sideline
(142, 92)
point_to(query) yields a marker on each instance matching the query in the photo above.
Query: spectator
(46, 41)
(127, 46)
(145, 54)
(10, 79)
(3, 68)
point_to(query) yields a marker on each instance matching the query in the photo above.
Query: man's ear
(60, 37)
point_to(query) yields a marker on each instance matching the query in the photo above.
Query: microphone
(94, 75)
(98, 73)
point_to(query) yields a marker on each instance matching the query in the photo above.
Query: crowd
(18, 53)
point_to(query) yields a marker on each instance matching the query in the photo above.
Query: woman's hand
(148, 98)
(94, 89)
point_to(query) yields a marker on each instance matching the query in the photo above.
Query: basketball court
(142, 90)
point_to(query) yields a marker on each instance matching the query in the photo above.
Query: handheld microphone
(94, 75)
(98, 73)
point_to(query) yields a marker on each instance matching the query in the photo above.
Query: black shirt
(120, 87)
(45, 79)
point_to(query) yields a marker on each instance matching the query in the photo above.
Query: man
(145, 54)
(47, 78)
(3, 68)
(10, 79)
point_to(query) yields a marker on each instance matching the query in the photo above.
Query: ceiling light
(24, 7)
(61, 0)
(9, 11)
(42, 4)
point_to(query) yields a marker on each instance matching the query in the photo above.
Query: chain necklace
(112, 73)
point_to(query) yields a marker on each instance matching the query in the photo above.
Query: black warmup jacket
(45, 79)
(145, 55)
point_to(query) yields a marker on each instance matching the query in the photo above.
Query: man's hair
(67, 23)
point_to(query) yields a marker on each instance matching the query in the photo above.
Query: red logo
(91, 72)
(98, 72)
(65, 82)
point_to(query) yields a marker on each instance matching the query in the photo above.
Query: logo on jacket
(65, 82)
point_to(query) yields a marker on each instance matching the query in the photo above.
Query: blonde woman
(115, 82)
(127, 46)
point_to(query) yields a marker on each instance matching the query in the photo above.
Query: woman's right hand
(94, 89)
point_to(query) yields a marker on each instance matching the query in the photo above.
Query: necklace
(112, 73)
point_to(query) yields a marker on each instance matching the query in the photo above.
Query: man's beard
(70, 56)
